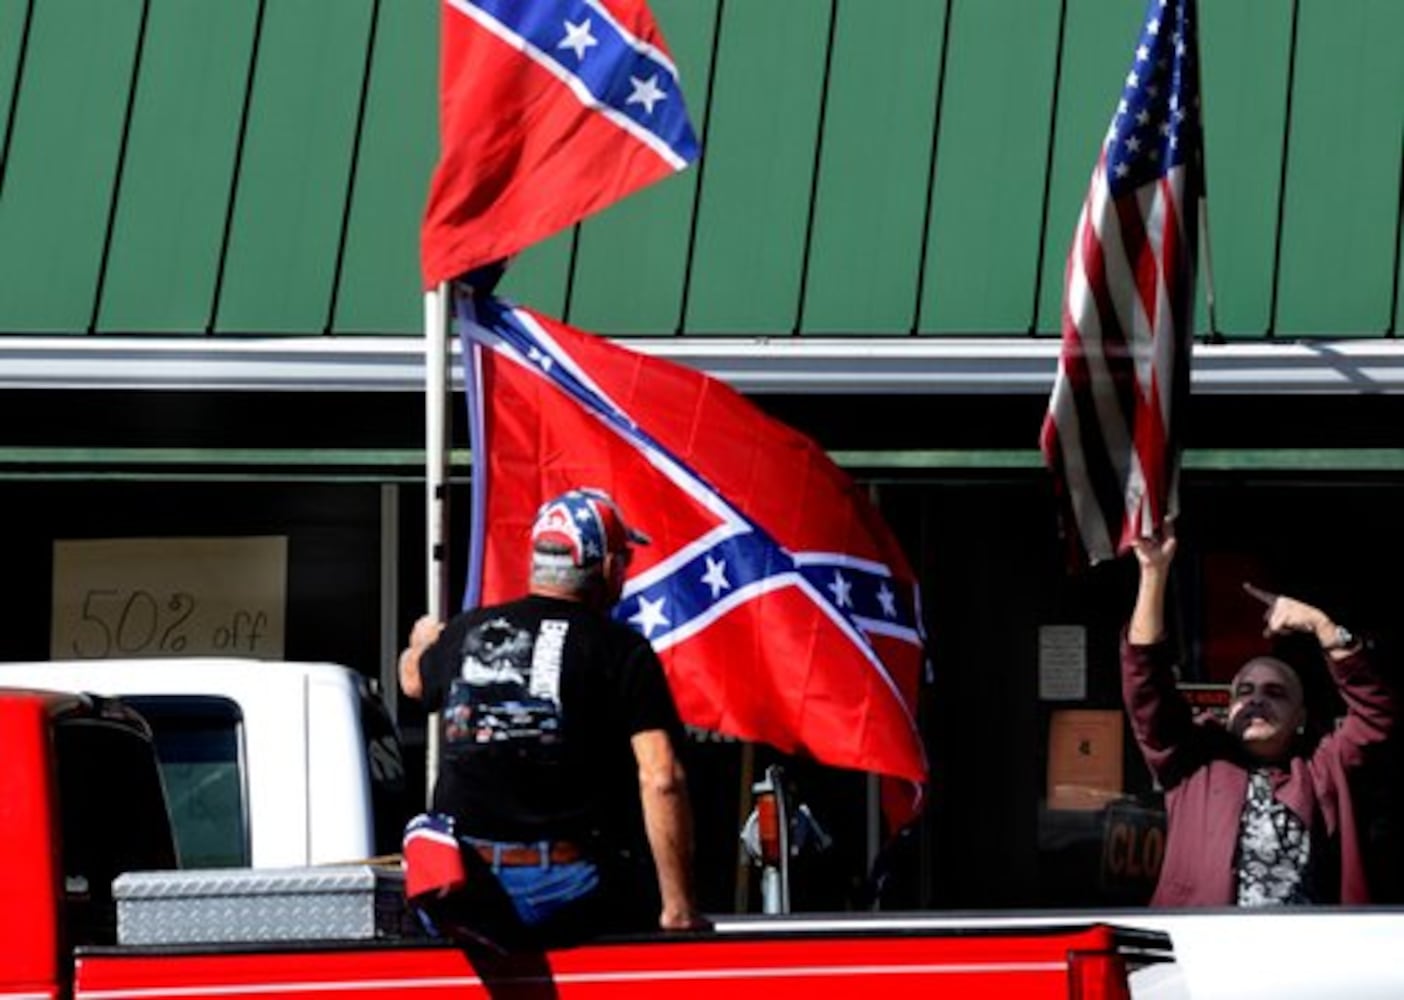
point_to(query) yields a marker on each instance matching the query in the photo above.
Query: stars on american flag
(1145, 137)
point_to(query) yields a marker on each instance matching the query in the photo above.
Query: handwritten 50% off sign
(149, 597)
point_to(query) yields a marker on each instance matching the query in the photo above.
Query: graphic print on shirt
(508, 688)
(1274, 849)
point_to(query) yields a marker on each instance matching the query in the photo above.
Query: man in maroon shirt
(1254, 817)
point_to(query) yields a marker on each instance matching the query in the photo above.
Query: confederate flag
(548, 110)
(780, 603)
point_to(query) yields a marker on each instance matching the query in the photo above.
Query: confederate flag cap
(580, 526)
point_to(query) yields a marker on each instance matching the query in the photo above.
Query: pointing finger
(1266, 596)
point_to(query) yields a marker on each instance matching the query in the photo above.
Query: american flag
(1128, 301)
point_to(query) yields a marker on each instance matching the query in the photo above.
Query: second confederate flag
(780, 603)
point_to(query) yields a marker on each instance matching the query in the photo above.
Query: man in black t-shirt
(556, 729)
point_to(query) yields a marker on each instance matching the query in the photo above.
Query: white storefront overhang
(811, 365)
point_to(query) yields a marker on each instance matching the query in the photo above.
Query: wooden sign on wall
(152, 597)
(1084, 758)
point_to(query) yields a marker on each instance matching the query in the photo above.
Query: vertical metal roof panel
(538, 276)
(1099, 37)
(987, 200)
(1399, 250)
(1343, 169)
(399, 140)
(631, 262)
(14, 15)
(64, 153)
(1246, 53)
(290, 198)
(874, 168)
(168, 228)
(758, 173)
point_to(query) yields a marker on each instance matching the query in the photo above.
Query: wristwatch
(1344, 639)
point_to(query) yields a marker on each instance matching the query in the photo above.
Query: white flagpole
(1209, 303)
(436, 358)
(873, 786)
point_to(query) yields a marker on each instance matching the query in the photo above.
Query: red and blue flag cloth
(1128, 302)
(778, 599)
(549, 110)
(432, 860)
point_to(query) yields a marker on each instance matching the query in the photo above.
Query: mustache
(1245, 716)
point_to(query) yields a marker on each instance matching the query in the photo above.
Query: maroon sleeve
(1171, 742)
(1371, 708)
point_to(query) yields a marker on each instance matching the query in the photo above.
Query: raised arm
(668, 823)
(1160, 719)
(1148, 616)
(1371, 704)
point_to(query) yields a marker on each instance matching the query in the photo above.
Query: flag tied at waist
(433, 864)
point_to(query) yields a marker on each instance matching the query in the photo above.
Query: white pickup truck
(266, 764)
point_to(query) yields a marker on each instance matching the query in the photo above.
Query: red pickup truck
(81, 802)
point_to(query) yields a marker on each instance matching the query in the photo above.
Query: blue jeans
(542, 905)
(541, 892)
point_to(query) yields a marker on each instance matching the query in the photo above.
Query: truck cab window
(199, 743)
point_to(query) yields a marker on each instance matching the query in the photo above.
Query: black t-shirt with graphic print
(539, 698)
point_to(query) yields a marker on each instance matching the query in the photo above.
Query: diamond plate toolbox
(335, 902)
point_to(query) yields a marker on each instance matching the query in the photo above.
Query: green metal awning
(870, 170)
